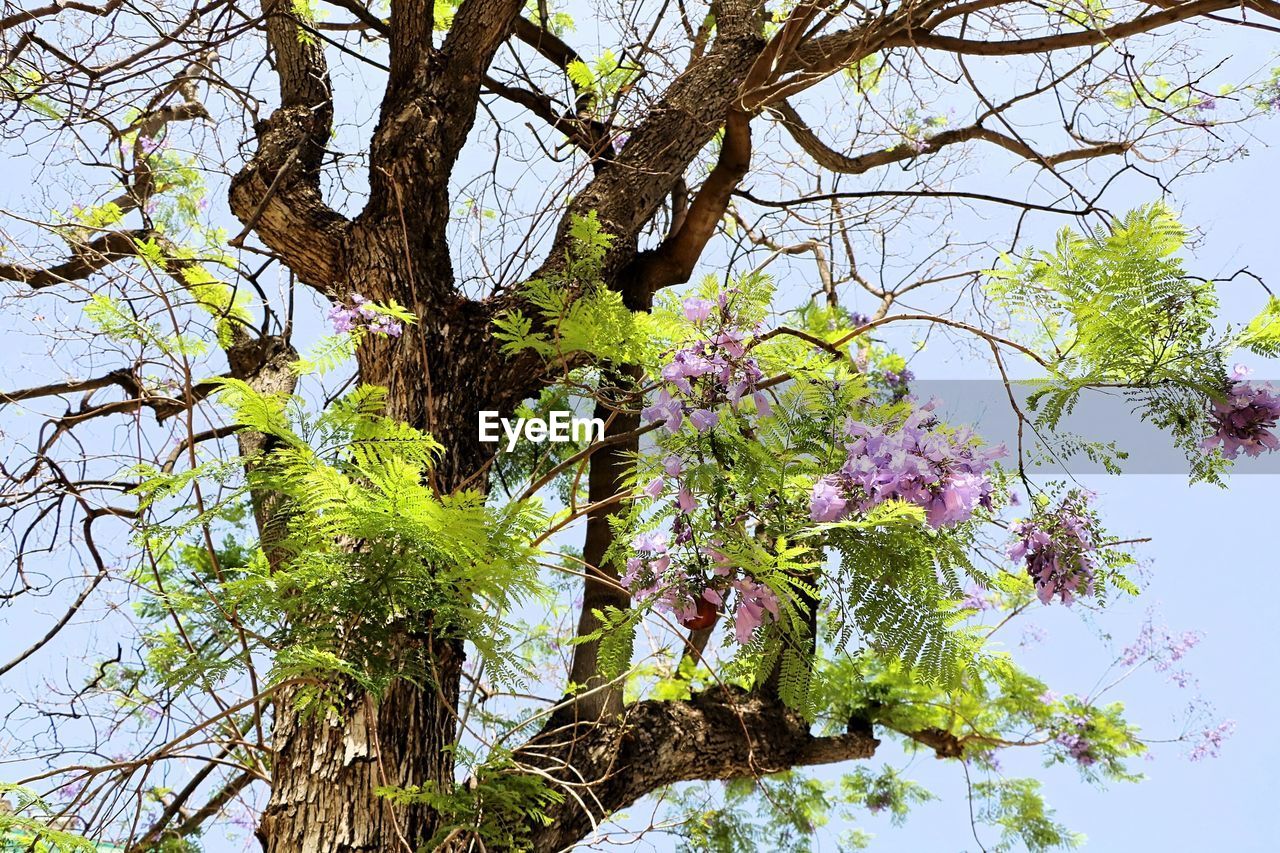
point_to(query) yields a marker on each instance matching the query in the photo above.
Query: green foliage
(604, 79)
(1017, 808)
(328, 354)
(616, 636)
(889, 572)
(574, 313)
(116, 320)
(1262, 335)
(364, 551)
(227, 305)
(1115, 308)
(499, 806)
(29, 826)
(883, 791)
(370, 550)
(780, 812)
(21, 85)
(1116, 305)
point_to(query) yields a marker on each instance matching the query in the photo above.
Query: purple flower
(706, 373)
(673, 466)
(697, 310)
(976, 599)
(685, 500)
(1077, 743)
(1032, 635)
(1209, 741)
(654, 542)
(343, 319)
(755, 601)
(363, 314)
(1158, 645)
(763, 406)
(665, 408)
(826, 502)
(731, 342)
(703, 419)
(944, 473)
(684, 366)
(1244, 418)
(1057, 548)
(655, 487)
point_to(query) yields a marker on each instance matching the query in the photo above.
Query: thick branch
(1083, 38)
(602, 587)
(277, 193)
(27, 16)
(85, 260)
(722, 733)
(674, 260)
(678, 126)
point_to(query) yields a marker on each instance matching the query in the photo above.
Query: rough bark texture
(327, 767)
(722, 733)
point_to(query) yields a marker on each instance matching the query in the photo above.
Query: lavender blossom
(1058, 549)
(1245, 418)
(943, 473)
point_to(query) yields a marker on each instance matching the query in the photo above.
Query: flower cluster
(944, 473)
(1058, 548)
(709, 372)
(1076, 742)
(365, 315)
(696, 596)
(1209, 741)
(1245, 418)
(1156, 643)
(896, 382)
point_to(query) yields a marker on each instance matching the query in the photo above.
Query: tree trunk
(438, 375)
(327, 768)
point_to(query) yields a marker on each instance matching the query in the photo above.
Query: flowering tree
(316, 598)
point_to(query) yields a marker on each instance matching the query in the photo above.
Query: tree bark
(722, 733)
(438, 375)
(328, 767)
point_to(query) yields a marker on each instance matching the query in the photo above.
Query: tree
(338, 590)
